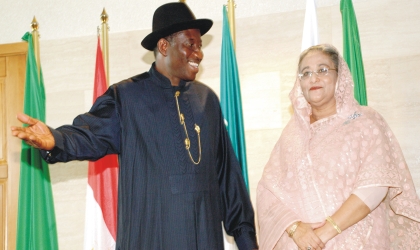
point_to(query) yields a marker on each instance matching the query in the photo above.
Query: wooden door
(12, 81)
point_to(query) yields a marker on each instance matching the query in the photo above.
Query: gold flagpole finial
(104, 16)
(104, 42)
(231, 18)
(34, 24)
(35, 41)
(182, 1)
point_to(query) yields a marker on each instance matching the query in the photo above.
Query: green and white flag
(36, 226)
(352, 51)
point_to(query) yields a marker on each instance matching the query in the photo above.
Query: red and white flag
(102, 190)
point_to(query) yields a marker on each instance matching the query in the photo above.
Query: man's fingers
(18, 133)
(23, 135)
(15, 131)
(26, 119)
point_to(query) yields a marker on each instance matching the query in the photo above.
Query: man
(179, 177)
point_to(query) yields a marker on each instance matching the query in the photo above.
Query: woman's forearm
(352, 211)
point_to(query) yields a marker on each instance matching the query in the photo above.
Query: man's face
(184, 55)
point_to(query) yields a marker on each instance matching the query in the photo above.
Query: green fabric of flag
(352, 51)
(36, 225)
(230, 93)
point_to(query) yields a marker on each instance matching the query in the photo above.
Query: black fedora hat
(170, 18)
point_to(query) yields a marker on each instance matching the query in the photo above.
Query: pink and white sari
(315, 167)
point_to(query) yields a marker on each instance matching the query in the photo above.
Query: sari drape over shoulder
(315, 167)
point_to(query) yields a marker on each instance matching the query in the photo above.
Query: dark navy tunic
(165, 201)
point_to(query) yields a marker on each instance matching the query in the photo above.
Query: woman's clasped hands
(305, 237)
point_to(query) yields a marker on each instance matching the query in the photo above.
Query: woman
(337, 178)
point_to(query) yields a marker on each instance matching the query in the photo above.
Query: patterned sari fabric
(315, 167)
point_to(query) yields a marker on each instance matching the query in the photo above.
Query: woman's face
(318, 89)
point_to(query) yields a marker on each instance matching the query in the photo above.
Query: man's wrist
(246, 241)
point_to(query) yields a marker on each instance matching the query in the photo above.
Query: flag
(102, 190)
(36, 225)
(352, 51)
(232, 106)
(310, 26)
(230, 92)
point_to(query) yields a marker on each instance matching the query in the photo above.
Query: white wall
(268, 44)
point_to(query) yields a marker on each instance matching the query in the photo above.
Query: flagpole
(35, 40)
(231, 18)
(104, 42)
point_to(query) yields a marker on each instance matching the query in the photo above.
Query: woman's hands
(305, 237)
(37, 134)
